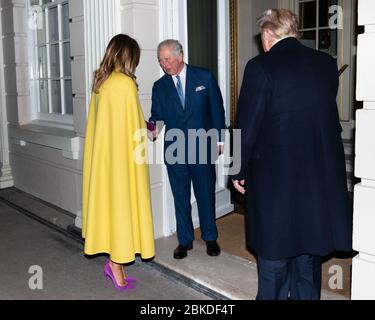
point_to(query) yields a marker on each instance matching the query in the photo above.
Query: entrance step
(230, 276)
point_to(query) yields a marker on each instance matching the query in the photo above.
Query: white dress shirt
(183, 79)
(183, 83)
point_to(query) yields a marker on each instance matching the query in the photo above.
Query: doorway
(202, 21)
(202, 27)
(245, 46)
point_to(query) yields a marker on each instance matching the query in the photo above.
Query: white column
(363, 274)
(6, 179)
(102, 22)
(141, 20)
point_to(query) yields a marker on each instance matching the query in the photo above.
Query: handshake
(152, 131)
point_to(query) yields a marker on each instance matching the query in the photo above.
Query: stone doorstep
(230, 276)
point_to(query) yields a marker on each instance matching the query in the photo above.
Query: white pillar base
(6, 178)
(363, 277)
(78, 221)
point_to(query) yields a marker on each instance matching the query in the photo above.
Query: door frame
(174, 25)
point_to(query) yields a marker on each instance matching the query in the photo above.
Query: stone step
(229, 276)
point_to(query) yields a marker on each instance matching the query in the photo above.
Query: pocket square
(201, 88)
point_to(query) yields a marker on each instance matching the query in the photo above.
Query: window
(315, 28)
(327, 25)
(51, 68)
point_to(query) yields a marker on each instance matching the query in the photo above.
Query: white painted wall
(363, 274)
(46, 159)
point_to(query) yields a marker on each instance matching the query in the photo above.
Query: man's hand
(153, 135)
(239, 185)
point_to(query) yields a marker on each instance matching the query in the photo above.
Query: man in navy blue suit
(188, 101)
(292, 163)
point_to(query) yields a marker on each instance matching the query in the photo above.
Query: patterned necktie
(180, 91)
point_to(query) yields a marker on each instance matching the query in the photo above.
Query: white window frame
(58, 118)
(317, 28)
(345, 55)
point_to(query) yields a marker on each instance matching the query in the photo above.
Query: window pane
(65, 21)
(328, 41)
(53, 24)
(68, 97)
(56, 96)
(55, 61)
(41, 32)
(324, 15)
(43, 92)
(42, 60)
(67, 61)
(307, 14)
(308, 38)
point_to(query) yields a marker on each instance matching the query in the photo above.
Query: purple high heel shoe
(108, 273)
(127, 279)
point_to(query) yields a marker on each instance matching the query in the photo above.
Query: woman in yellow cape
(116, 205)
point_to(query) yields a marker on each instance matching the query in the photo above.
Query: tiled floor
(232, 241)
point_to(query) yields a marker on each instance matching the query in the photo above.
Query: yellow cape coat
(116, 205)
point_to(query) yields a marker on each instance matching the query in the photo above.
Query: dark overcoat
(292, 154)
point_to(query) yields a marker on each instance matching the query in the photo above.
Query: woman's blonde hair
(281, 22)
(122, 54)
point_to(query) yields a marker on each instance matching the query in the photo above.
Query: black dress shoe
(181, 251)
(213, 248)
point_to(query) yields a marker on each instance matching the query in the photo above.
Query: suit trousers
(297, 278)
(203, 178)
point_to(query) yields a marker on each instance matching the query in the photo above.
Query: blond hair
(122, 54)
(281, 22)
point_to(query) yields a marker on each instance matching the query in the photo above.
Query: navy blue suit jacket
(203, 104)
(292, 154)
